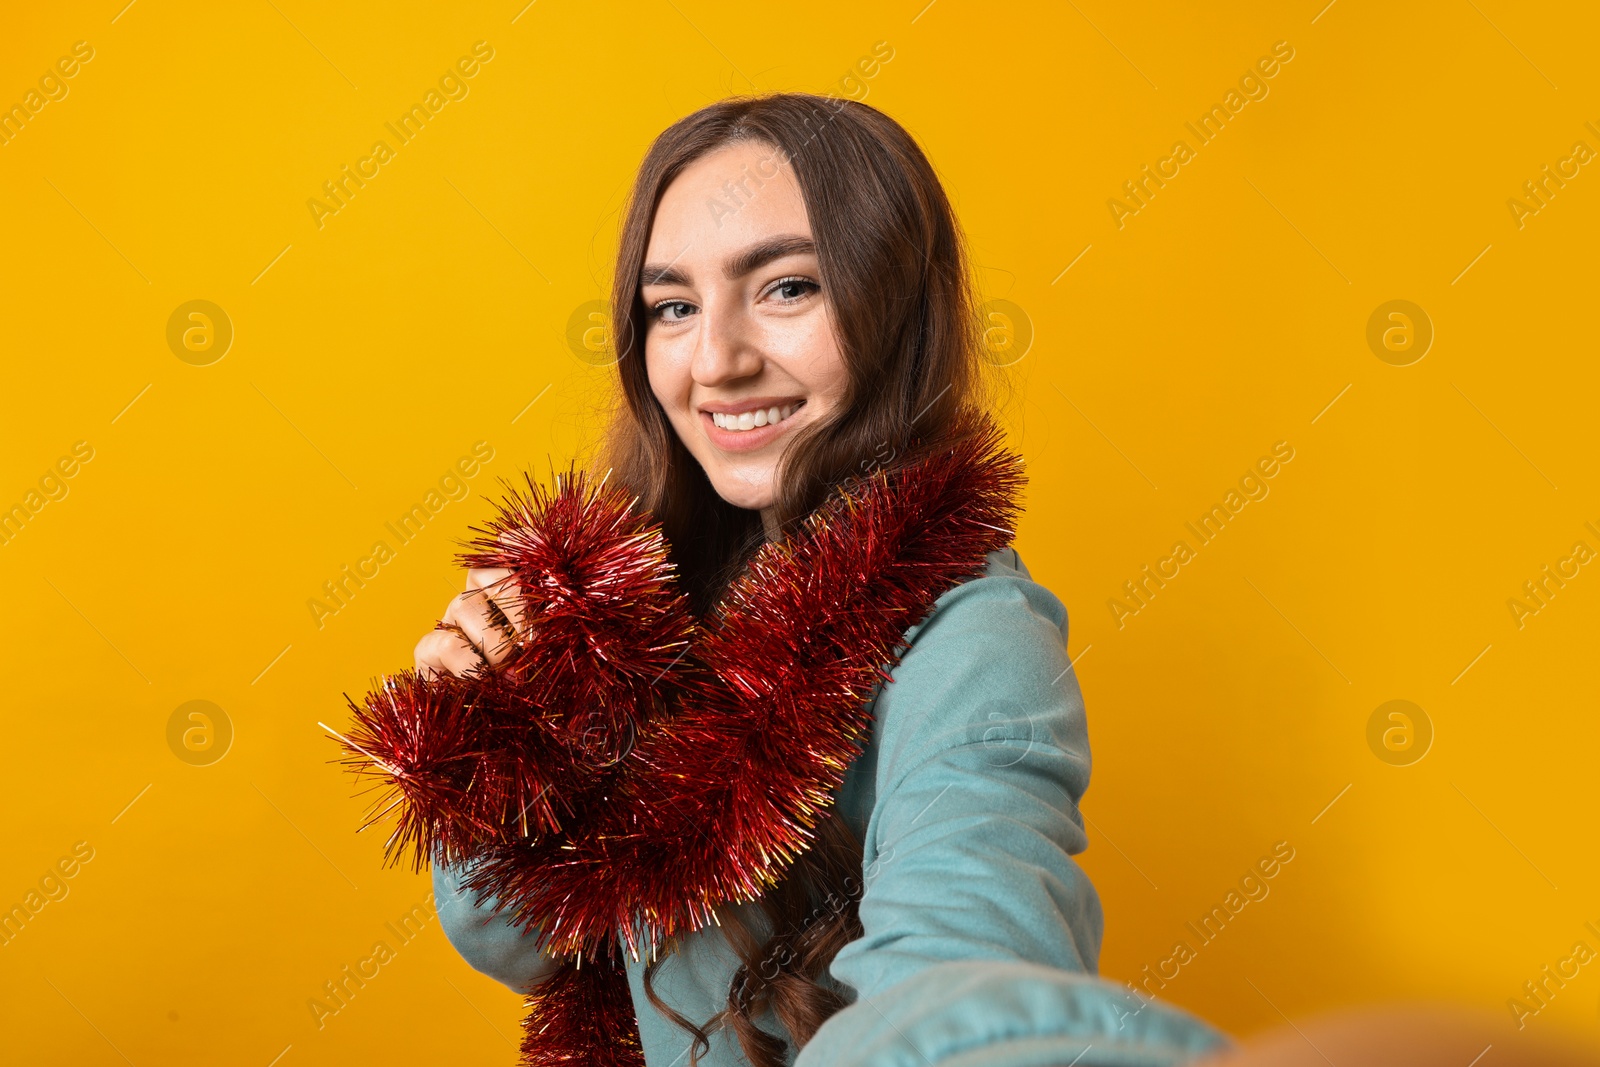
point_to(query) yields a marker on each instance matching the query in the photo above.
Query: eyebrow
(753, 258)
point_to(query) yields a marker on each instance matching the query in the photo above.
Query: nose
(726, 349)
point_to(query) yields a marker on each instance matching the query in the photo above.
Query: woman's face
(739, 342)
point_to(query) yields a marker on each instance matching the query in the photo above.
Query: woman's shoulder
(1002, 597)
(987, 667)
(1001, 621)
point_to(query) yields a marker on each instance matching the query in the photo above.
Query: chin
(742, 494)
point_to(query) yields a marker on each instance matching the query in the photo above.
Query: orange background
(431, 312)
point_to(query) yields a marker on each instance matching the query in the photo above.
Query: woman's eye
(661, 309)
(791, 290)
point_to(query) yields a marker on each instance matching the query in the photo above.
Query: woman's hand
(478, 627)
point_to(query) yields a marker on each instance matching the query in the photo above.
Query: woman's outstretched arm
(981, 934)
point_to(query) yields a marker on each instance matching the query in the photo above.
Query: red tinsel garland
(628, 769)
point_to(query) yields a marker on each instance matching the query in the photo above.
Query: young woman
(793, 317)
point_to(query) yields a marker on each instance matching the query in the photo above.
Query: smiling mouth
(751, 430)
(751, 420)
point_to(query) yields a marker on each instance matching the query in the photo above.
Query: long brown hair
(895, 273)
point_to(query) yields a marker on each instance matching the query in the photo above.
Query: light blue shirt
(981, 934)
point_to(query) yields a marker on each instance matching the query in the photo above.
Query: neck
(769, 522)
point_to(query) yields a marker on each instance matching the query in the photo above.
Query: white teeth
(749, 420)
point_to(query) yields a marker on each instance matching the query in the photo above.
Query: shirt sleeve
(981, 934)
(483, 935)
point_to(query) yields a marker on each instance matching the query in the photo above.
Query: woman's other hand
(478, 627)
(1409, 1035)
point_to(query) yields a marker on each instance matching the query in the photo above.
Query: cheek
(809, 352)
(668, 374)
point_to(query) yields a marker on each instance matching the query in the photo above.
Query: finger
(501, 585)
(470, 612)
(500, 594)
(446, 652)
(485, 623)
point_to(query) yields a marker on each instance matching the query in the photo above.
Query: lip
(739, 407)
(745, 440)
